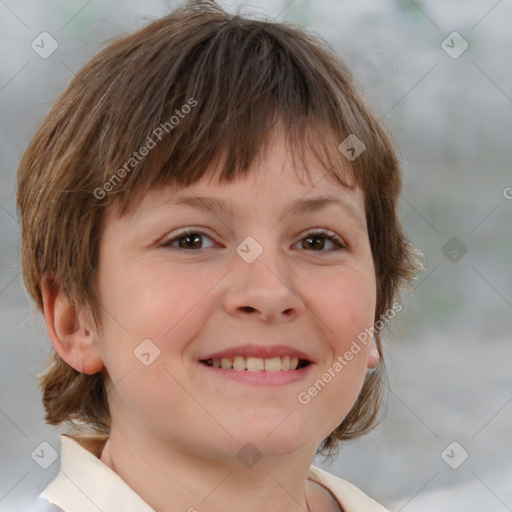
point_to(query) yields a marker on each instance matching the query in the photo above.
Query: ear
(373, 355)
(72, 333)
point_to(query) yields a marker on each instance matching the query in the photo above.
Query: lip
(265, 352)
(261, 378)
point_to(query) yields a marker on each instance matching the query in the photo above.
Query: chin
(273, 437)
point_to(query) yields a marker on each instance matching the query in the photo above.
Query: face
(261, 271)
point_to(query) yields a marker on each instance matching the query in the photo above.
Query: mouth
(257, 364)
(254, 364)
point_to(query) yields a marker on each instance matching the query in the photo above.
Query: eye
(316, 241)
(186, 239)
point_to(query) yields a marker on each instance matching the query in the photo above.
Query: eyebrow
(300, 206)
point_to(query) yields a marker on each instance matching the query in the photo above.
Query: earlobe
(373, 355)
(70, 330)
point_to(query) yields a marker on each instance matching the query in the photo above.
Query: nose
(264, 289)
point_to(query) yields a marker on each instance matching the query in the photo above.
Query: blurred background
(439, 75)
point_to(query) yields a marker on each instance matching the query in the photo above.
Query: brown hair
(240, 77)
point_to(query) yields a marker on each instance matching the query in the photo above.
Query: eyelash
(309, 234)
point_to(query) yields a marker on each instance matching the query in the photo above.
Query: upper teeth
(255, 364)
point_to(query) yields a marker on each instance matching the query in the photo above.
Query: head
(204, 103)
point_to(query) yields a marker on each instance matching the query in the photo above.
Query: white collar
(85, 484)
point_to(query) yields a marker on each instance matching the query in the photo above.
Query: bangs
(306, 145)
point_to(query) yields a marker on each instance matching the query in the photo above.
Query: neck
(170, 479)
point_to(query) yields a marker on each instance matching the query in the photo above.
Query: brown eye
(192, 241)
(316, 241)
(188, 240)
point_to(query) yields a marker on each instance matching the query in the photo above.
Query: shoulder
(350, 497)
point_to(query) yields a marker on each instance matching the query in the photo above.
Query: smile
(257, 364)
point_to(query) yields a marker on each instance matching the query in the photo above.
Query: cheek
(345, 305)
(153, 314)
(152, 310)
(153, 299)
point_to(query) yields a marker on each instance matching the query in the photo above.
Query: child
(209, 226)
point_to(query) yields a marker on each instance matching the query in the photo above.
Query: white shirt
(85, 484)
